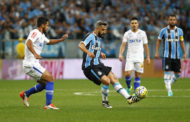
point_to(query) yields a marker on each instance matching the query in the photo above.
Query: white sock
(167, 81)
(117, 86)
(105, 91)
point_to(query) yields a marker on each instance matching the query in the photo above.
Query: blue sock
(49, 92)
(136, 83)
(35, 89)
(177, 76)
(105, 91)
(128, 81)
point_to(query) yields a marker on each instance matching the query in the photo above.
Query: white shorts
(35, 71)
(136, 66)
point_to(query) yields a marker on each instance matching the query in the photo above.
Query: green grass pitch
(80, 101)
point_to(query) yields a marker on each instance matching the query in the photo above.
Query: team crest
(99, 73)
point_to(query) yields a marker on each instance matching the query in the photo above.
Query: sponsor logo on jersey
(95, 48)
(135, 40)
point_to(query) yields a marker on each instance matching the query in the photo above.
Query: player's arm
(183, 48)
(122, 49)
(147, 53)
(84, 49)
(157, 48)
(31, 48)
(102, 55)
(54, 41)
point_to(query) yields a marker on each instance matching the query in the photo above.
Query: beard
(172, 25)
(101, 35)
(44, 30)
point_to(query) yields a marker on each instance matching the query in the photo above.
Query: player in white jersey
(136, 40)
(31, 64)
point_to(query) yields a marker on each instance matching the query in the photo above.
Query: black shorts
(95, 73)
(171, 65)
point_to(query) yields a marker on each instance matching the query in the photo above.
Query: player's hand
(91, 55)
(121, 58)
(37, 56)
(65, 36)
(103, 55)
(157, 55)
(184, 56)
(148, 60)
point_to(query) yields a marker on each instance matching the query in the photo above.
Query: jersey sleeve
(125, 37)
(181, 35)
(145, 39)
(46, 40)
(87, 40)
(33, 36)
(161, 34)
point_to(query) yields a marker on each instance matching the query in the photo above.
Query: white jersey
(38, 39)
(135, 42)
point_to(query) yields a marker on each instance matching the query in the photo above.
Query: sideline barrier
(71, 68)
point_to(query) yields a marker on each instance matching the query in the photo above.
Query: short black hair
(100, 22)
(41, 20)
(134, 18)
(172, 15)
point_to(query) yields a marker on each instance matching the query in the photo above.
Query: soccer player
(172, 37)
(95, 70)
(136, 40)
(32, 67)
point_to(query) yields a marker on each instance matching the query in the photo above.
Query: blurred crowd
(18, 17)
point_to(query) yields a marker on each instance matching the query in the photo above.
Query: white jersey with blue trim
(135, 42)
(38, 39)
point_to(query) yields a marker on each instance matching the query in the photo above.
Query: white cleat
(51, 106)
(24, 98)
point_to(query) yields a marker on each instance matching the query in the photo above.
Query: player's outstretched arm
(157, 48)
(30, 47)
(147, 53)
(54, 41)
(83, 48)
(122, 49)
(183, 48)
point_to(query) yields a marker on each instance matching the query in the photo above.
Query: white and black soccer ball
(141, 92)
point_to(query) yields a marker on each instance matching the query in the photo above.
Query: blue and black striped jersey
(93, 44)
(171, 42)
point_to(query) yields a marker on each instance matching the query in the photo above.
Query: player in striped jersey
(95, 70)
(173, 42)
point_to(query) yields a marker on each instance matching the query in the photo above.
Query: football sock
(49, 92)
(105, 91)
(128, 81)
(117, 86)
(137, 83)
(167, 81)
(175, 77)
(35, 89)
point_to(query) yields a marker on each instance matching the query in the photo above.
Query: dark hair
(172, 15)
(134, 18)
(100, 22)
(41, 20)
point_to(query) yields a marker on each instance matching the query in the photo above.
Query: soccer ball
(141, 92)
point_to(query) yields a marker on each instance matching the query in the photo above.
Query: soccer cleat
(106, 104)
(170, 93)
(51, 106)
(128, 90)
(133, 99)
(24, 98)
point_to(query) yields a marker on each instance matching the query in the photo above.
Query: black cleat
(106, 104)
(133, 99)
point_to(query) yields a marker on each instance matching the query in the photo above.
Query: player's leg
(176, 66)
(118, 87)
(46, 76)
(167, 75)
(139, 69)
(36, 73)
(129, 66)
(137, 80)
